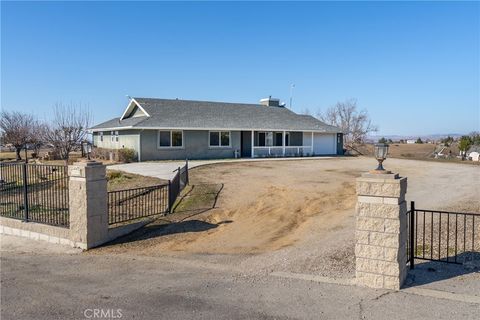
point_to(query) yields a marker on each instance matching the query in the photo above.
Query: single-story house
(170, 129)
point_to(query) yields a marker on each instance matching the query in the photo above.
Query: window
(177, 138)
(269, 139)
(265, 139)
(116, 136)
(100, 136)
(278, 138)
(219, 139)
(170, 139)
(112, 137)
(261, 139)
(164, 138)
(225, 139)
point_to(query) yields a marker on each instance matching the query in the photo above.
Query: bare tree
(355, 124)
(68, 129)
(37, 136)
(17, 129)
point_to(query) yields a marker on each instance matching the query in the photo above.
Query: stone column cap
(381, 176)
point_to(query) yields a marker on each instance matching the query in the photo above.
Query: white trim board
(129, 107)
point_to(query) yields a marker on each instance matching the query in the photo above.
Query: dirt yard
(292, 216)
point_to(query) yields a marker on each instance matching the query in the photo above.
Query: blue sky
(414, 66)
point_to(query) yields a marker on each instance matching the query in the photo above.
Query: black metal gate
(443, 236)
(34, 193)
(132, 204)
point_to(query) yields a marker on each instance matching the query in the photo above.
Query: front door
(246, 144)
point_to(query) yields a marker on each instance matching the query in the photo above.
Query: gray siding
(195, 146)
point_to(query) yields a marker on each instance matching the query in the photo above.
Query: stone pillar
(381, 231)
(88, 203)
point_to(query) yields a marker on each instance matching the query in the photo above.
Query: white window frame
(170, 147)
(220, 139)
(116, 136)
(100, 136)
(112, 136)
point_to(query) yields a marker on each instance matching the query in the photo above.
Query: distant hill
(437, 136)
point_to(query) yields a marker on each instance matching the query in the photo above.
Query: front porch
(265, 144)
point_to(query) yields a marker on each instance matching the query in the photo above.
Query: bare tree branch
(17, 129)
(68, 128)
(354, 124)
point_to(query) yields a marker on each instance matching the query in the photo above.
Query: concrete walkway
(165, 169)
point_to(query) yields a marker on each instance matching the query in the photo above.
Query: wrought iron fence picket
(437, 236)
(34, 193)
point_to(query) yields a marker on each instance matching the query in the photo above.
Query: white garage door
(324, 143)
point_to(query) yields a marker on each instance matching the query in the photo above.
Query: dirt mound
(277, 218)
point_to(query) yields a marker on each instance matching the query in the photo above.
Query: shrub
(126, 155)
(101, 153)
(121, 155)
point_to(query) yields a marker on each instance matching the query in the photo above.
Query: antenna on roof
(292, 86)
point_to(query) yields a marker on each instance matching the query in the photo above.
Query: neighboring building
(474, 153)
(160, 129)
(411, 141)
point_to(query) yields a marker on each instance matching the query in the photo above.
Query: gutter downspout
(140, 146)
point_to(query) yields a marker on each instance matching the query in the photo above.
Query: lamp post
(381, 151)
(87, 148)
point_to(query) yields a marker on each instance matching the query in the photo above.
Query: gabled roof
(474, 148)
(207, 115)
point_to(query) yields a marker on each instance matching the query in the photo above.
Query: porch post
(284, 142)
(253, 144)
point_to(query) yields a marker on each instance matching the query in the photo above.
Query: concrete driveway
(161, 170)
(165, 169)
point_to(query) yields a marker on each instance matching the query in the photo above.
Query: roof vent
(270, 102)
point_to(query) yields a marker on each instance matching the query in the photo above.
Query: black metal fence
(443, 236)
(132, 204)
(177, 184)
(34, 192)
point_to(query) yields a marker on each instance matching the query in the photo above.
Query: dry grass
(9, 156)
(408, 151)
(422, 151)
(119, 180)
